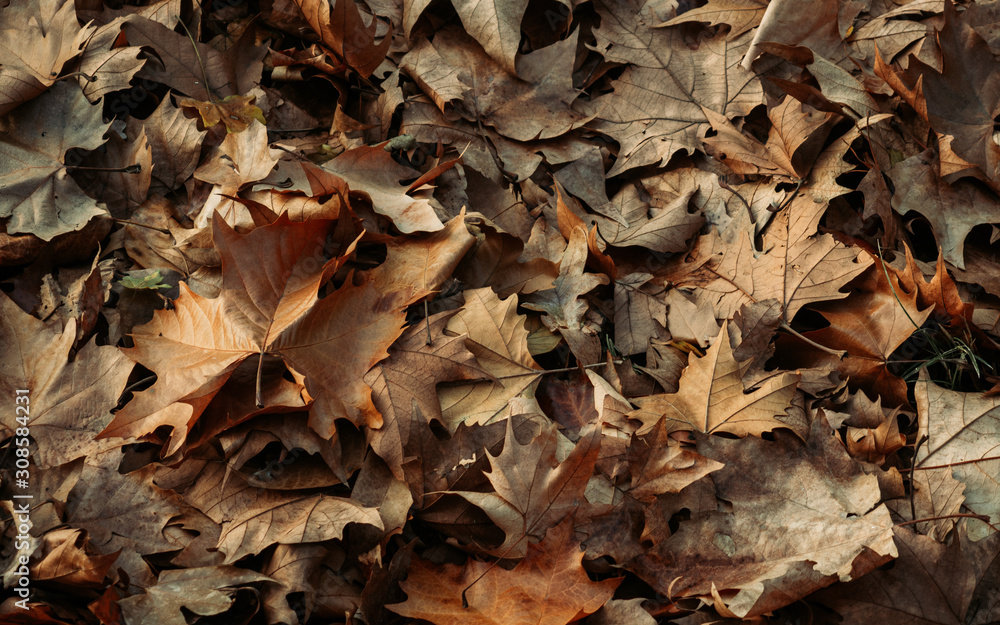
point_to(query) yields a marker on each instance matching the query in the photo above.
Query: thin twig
(77, 75)
(725, 185)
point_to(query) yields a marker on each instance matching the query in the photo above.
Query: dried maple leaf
(548, 587)
(252, 518)
(532, 490)
(740, 15)
(409, 378)
(797, 132)
(181, 65)
(640, 313)
(929, 584)
(342, 29)
(870, 325)
(797, 267)
(268, 305)
(534, 103)
(953, 210)
(204, 591)
(241, 159)
(798, 516)
(371, 172)
(71, 398)
(105, 67)
(711, 397)
(67, 560)
(962, 98)
(499, 340)
(34, 141)
(962, 430)
(799, 22)
(495, 25)
(237, 112)
(658, 105)
(653, 213)
(36, 40)
(563, 308)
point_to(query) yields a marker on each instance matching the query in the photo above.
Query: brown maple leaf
(532, 490)
(236, 112)
(548, 587)
(798, 516)
(36, 40)
(268, 305)
(658, 105)
(878, 317)
(342, 29)
(34, 142)
(711, 397)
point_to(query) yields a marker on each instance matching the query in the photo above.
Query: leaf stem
(562, 370)
(260, 368)
(963, 515)
(131, 169)
(128, 222)
(201, 64)
(839, 354)
(951, 464)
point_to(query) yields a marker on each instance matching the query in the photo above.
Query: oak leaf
(236, 112)
(563, 307)
(548, 587)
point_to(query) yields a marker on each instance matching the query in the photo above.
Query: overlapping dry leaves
(512, 312)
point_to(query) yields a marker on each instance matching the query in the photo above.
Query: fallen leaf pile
(375, 312)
